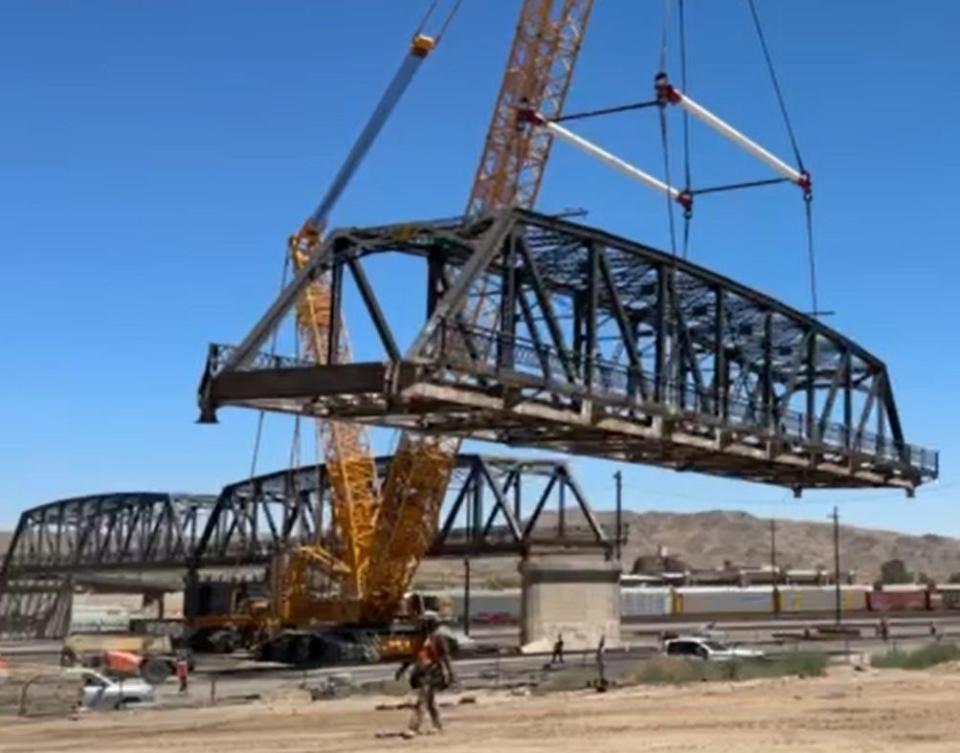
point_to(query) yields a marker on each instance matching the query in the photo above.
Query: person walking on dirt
(557, 657)
(431, 672)
(182, 670)
(884, 629)
(601, 668)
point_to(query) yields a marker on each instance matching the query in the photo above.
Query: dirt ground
(848, 711)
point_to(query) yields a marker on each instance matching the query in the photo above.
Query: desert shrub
(921, 658)
(671, 670)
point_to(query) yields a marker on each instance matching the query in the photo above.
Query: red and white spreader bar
(534, 118)
(669, 94)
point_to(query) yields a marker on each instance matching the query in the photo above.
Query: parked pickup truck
(708, 649)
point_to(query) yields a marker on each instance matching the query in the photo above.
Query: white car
(708, 649)
(100, 692)
(458, 641)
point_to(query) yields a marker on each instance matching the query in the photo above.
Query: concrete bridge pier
(577, 597)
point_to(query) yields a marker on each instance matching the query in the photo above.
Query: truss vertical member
(668, 93)
(525, 115)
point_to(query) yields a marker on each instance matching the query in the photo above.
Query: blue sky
(154, 157)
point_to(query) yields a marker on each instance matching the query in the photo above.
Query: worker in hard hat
(432, 671)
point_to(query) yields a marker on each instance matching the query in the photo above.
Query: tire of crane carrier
(222, 641)
(298, 649)
(155, 670)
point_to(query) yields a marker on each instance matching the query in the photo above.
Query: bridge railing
(491, 351)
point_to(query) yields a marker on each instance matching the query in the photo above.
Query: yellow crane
(351, 470)
(385, 531)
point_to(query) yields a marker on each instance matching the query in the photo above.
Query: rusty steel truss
(492, 506)
(148, 542)
(86, 541)
(604, 347)
(106, 532)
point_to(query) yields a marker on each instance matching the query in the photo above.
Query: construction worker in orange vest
(431, 672)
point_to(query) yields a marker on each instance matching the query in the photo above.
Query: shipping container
(694, 600)
(898, 601)
(643, 602)
(822, 598)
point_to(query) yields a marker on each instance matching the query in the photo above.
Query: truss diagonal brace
(280, 307)
(484, 251)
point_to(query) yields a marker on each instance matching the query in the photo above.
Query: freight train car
(645, 603)
(821, 599)
(902, 600)
(722, 601)
(638, 603)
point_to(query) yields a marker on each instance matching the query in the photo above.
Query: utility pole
(836, 564)
(466, 594)
(618, 478)
(774, 573)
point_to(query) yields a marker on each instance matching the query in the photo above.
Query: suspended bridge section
(585, 343)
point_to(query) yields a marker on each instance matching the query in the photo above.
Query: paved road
(473, 673)
(641, 632)
(235, 678)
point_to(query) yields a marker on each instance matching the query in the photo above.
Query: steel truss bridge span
(114, 541)
(604, 347)
(149, 542)
(492, 506)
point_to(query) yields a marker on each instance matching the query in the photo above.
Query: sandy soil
(845, 712)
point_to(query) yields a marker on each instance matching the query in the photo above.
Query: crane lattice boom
(538, 74)
(349, 461)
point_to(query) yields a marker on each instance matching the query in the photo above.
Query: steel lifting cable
(664, 137)
(273, 352)
(738, 186)
(776, 82)
(446, 23)
(807, 195)
(665, 141)
(811, 256)
(665, 33)
(687, 211)
(607, 111)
